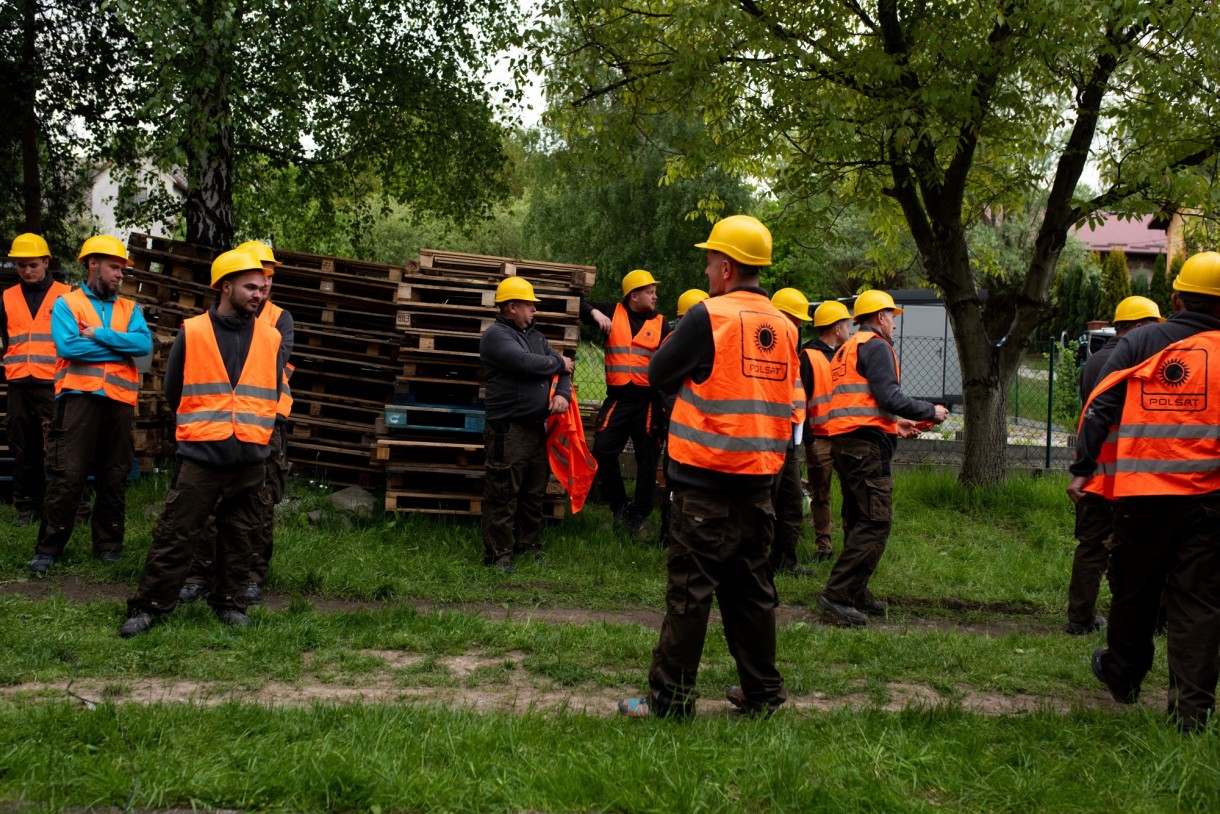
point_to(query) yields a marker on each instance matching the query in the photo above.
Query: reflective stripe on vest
(31, 348)
(627, 356)
(119, 381)
(1167, 440)
(818, 409)
(271, 316)
(212, 409)
(852, 405)
(739, 421)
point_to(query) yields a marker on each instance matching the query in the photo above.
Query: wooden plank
(433, 418)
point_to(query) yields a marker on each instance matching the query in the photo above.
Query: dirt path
(500, 684)
(1019, 618)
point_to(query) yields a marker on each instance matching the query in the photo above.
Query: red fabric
(568, 453)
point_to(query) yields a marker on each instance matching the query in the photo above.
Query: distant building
(103, 198)
(1142, 238)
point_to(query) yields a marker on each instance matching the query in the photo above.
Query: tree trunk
(31, 179)
(209, 199)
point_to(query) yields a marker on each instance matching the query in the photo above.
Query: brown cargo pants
(868, 491)
(717, 547)
(786, 498)
(1094, 530)
(31, 407)
(514, 488)
(819, 463)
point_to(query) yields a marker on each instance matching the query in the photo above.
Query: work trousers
(234, 494)
(31, 409)
(1170, 544)
(274, 484)
(514, 488)
(868, 491)
(819, 465)
(1094, 533)
(717, 547)
(786, 498)
(640, 421)
(89, 435)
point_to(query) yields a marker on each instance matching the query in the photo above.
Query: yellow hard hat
(262, 253)
(104, 244)
(828, 313)
(1200, 275)
(793, 302)
(233, 261)
(872, 301)
(1136, 308)
(29, 245)
(742, 238)
(636, 279)
(689, 298)
(515, 288)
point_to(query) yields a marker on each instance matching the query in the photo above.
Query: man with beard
(96, 333)
(223, 381)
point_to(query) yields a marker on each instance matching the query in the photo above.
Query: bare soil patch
(1021, 617)
(517, 691)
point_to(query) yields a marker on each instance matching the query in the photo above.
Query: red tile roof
(1134, 236)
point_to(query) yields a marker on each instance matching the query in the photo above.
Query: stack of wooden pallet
(431, 439)
(344, 354)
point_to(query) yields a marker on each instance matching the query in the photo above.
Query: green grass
(977, 580)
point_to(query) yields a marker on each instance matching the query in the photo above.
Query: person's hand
(568, 364)
(88, 331)
(602, 321)
(942, 412)
(1075, 488)
(907, 429)
(559, 405)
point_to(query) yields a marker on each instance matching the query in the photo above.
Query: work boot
(1123, 694)
(254, 593)
(135, 625)
(503, 566)
(109, 557)
(41, 564)
(873, 607)
(23, 519)
(1085, 628)
(233, 618)
(192, 592)
(844, 613)
(737, 698)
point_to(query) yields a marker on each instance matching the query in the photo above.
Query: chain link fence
(1043, 401)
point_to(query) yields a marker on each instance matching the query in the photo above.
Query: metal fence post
(1050, 403)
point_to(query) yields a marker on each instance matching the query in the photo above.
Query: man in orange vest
(97, 334)
(787, 497)
(29, 367)
(733, 363)
(632, 408)
(1148, 439)
(223, 380)
(277, 461)
(1094, 514)
(864, 426)
(519, 367)
(833, 324)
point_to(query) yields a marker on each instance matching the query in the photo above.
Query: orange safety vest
(271, 315)
(567, 451)
(627, 356)
(119, 381)
(211, 408)
(1167, 441)
(739, 421)
(31, 349)
(852, 405)
(819, 402)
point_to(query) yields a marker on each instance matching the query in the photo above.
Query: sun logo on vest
(764, 338)
(1173, 372)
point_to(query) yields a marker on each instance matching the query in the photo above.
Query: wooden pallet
(433, 418)
(434, 323)
(424, 293)
(459, 393)
(487, 268)
(339, 265)
(453, 454)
